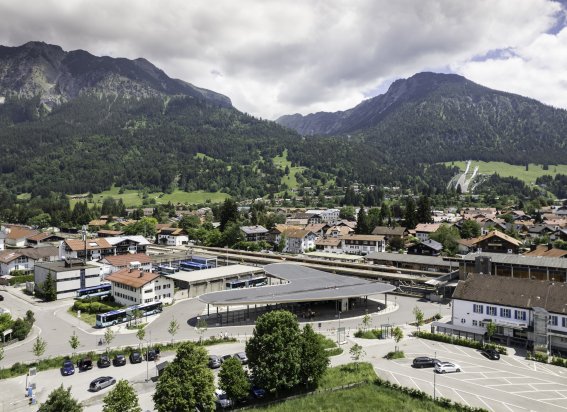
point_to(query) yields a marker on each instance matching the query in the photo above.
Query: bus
(125, 314)
(166, 270)
(92, 291)
(247, 283)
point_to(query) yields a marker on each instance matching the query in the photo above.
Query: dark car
(101, 383)
(424, 362)
(214, 362)
(241, 356)
(1, 298)
(103, 361)
(119, 360)
(225, 357)
(85, 364)
(152, 355)
(257, 392)
(222, 400)
(491, 354)
(68, 368)
(136, 357)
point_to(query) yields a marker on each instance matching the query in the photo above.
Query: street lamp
(434, 377)
(339, 330)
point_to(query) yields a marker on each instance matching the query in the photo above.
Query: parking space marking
(482, 400)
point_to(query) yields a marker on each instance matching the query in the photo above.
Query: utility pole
(434, 378)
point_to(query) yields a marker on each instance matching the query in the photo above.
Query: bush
(21, 329)
(460, 341)
(15, 280)
(396, 355)
(368, 334)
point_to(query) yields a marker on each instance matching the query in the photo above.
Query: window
(475, 322)
(564, 322)
(477, 308)
(520, 314)
(491, 310)
(505, 313)
(148, 291)
(463, 320)
(553, 320)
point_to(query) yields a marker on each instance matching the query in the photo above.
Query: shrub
(460, 341)
(368, 334)
(396, 355)
(15, 280)
(21, 329)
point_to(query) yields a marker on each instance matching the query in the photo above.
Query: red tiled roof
(92, 244)
(134, 278)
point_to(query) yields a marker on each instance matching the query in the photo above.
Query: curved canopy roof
(304, 285)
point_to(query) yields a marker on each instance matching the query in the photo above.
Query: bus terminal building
(297, 288)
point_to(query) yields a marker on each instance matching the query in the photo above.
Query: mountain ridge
(57, 76)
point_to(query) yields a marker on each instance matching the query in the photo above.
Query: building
(16, 236)
(330, 216)
(42, 238)
(109, 233)
(526, 312)
(363, 244)
(254, 233)
(330, 245)
(391, 233)
(423, 230)
(494, 242)
(299, 241)
(429, 247)
(24, 259)
(111, 264)
(546, 251)
(134, 286)
(69, 275)
(172, 237)
(90, 249)
(128, 244)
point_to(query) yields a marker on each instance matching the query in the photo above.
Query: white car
(444, 367)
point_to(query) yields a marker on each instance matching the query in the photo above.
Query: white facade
(473, 314)
(171, 240)
(330, 216)
(159, 288)
(68, 277)
(300, 244)
(363, 244)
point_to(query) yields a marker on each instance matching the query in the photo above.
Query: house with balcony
(329, 245)
(15, 236)
(423, 230)
(299, 241)
(363, 244)
(25, 259)
(89, 249)
(254, 233)
(171, 236)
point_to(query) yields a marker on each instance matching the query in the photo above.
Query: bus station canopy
(221, 272)
(304, 285)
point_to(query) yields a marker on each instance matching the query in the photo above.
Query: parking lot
(509, 384)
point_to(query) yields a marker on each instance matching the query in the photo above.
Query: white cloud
(274, 57)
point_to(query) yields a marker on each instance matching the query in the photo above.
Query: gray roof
(403, 258)
(220, 272)
(305, 285)
(520, 260)
(433, 244)
(250, 230)
(389, 231)
(61, 266)
(515, 292)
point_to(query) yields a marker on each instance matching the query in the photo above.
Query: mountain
(448, 118)
(57, 76)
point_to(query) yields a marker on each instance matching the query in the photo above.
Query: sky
(303, 56)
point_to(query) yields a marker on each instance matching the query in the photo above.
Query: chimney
(141, 274)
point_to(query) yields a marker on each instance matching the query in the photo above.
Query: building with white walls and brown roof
(134, 286)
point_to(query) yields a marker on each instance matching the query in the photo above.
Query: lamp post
(434, 378)
(339, 330)
(147, 361)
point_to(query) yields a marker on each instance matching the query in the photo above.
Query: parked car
(490, 353)
(1, 297)
(85, 364)
(225, 357)
(214, 362)
(444, 367)
(241, 356)
(257, 392)
(119, 360)
(68, 368)
(101, 383)
(424, 362)
(135, 357)
(103, 361)
(151, 355)
(222, 400)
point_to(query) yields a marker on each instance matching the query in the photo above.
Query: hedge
(460, 341)
(14, 280)
(368, 334)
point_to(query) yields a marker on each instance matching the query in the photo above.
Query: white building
(24, 259)
(134, 286)
(526, 312)
(363, 244)
(299, 241)
(111, 264)
(69, 276)
(330, 216)
(172, 237)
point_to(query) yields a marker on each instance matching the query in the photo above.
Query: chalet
(109, 233)
(318, 228)
(172, 237)
(339, 231)
(113, 264)
(390, 233)
(299, 241)
(275, 235)
(497, 242)
(128, 244)
(429, 247)
(42, 238)
(90, 249)
(25, 259)
(331, 245)
(254, 233)
(423, 230)
(363, 244)
(16, 236)
(134, 286)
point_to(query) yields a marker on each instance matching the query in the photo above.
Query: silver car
(444, 367)
(101, 383)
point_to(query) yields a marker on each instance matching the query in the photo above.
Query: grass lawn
(505, 169)
(282, 162)
(132, 198)
(347, 374)
(88, 318)
(367, 397)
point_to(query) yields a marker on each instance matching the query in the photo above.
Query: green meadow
(507, 170)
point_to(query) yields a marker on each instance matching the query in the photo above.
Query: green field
(134, 198)
(506, 170)
(282, 162)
